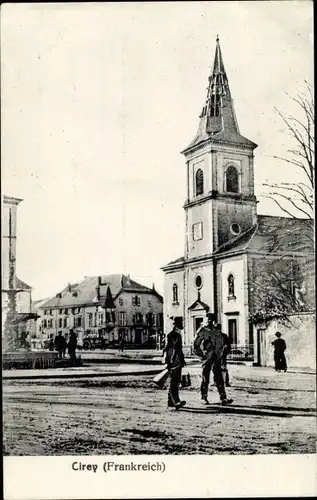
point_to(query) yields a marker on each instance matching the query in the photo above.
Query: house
(236, 261)
(114, 305)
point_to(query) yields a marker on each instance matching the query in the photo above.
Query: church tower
(220, 205)
(220, 201)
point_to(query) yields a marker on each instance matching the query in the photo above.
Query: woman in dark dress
(279, 353)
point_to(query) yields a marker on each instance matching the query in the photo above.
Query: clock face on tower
(198, 231)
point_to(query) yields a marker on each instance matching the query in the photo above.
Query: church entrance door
(197, 324)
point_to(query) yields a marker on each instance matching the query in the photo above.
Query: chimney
(98, 291)
(99, 280)
(69, 286)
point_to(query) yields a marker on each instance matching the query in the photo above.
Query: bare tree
(297, 199)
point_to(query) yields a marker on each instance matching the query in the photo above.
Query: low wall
(300, 338)
(18, 359)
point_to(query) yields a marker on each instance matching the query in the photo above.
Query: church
(230, 250)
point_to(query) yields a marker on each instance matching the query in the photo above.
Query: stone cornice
(215, 195)
(11, 200)
(214, 144)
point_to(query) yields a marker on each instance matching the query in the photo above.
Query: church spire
(218, 113)
(218, 62)
(218, 121)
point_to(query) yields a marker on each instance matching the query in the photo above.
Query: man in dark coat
(226, 350)
(174, 358)
(72, 345)
(279, 353)
(60, 345)
(208, 345)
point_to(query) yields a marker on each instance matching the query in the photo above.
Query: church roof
(272, 234)
(175, 262)
(218, 122)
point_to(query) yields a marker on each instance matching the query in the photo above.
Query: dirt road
(128, 415)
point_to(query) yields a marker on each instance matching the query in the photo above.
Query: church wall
(201, 161)
(242, 162)
(205, 271)
(200, 216)
(271, 276)
(173, 309)
(234, 308)
(206, 291)
(229, 212)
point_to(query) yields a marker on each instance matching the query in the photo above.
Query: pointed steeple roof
(218, 121)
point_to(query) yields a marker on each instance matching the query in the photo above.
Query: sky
(98, 100)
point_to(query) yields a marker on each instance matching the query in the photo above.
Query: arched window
(232, 180)
(199, 182)
(175, 293)
(231, 285)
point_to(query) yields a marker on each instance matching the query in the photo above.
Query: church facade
(225, 239)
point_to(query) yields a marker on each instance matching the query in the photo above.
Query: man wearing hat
(174, 358)
(279, 353)
(209, 346)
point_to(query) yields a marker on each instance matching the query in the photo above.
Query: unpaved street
(128, 415)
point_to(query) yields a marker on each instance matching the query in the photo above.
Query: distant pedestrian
(60, 345)
(174, 358)
(279, 353)
(122, 344)
(208, 345)
(72, 345)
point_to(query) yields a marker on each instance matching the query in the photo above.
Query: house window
(65, 322)
(199, 182)
(100, 319)
(149, 319)
(90, 318)
(231, 286)
(121, 302)
(74, 310)
(61, 311)
(60, 323)
(51, 312)
(232, 331)
(44, 323)
(175, 294)
(122, 318)
(79, 320)
(136, 301)
(149, 303)
(66, 311)
(232, 180)
(139, 318)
